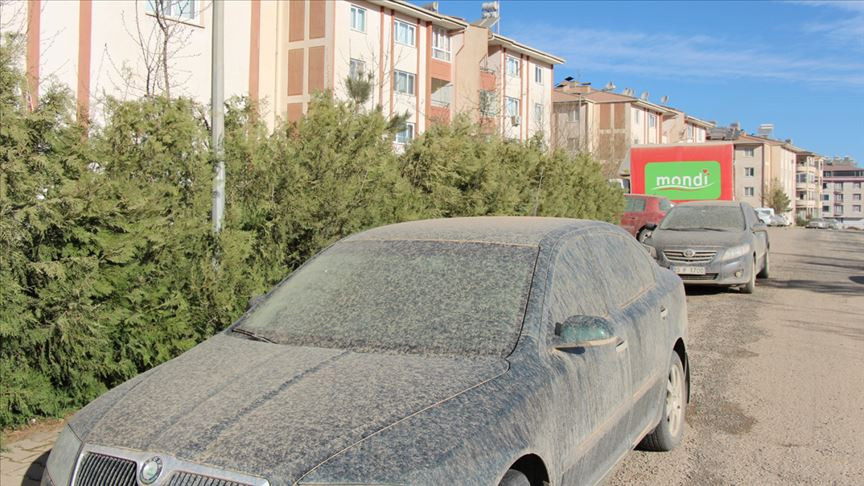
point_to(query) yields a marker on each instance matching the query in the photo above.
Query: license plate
(689, 270)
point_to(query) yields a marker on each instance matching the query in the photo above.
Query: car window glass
(627, 267)
(665, 205)
(420, 297)
(634, 205)
(577, 282)
(696, 217)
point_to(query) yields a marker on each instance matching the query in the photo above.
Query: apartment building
(607, 124)
(280, 53)
(112, 48)
(842, 190)
(761, 162)
(808, 185)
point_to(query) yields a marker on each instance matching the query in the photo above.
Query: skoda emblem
(150, 470)
(689, 253)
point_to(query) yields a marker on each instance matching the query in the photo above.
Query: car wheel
(668, 433)
(750, 286)
(765, 273)
(514, 478)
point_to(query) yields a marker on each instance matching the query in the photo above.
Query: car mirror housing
(583, 332)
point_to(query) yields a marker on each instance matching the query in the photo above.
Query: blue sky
(798, 65)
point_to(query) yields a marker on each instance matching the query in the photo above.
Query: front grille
(99, 469)
(707, 276)
(699, 256)
(182, 478)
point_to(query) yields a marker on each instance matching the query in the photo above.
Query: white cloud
(664, 55)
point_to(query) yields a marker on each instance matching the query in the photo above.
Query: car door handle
(664, 313)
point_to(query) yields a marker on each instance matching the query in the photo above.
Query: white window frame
(538, 113)
(410, 82)
(407, 27)
(510, 102)
(409, 129)
(749, 191)
(749, 152)
(652, 120)
(749, 171)
(488, 100)
(637, 116)
(192, 17)
(355, 10)
(573, 115)
(356, 73)
(513, 61)
(439, 51)
(538, 74)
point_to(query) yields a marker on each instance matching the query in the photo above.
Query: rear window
(665, 205)
(635, 205)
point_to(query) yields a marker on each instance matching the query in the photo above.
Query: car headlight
(651, 250)
(736, 252)
(61, 462)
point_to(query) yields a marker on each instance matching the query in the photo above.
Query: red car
(642, 210)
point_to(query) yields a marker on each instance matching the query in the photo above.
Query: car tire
(514, 478)
(750, 286)
(669, 432)
(766, 271)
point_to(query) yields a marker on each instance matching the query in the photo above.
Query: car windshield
(423, 297)
(634, 205)
(722, 218)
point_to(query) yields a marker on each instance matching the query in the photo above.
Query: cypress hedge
(108, 266)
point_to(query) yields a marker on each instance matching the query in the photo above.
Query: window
(538, 75)
(175, 9)
(632, 274)
(838, 209)
(749, 171)
(856, 208)
(825, 197)
(838, 186)
(824, 185)
(538, 114)
(856, 197)
(749, 191)
(573, 115)
(574, 291)
(440, 44)
(488, 103)
(749, 152)
(404, 82)
(512, 66)
(839, 198)
(405, 33)
(406, 134)
(689, 135)
(356, 69)
(637, 117)
(652, 121)
(358, 18)
(856, 185)
(512, 106)
(826, 209)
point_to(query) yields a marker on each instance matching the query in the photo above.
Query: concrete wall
(743, 161)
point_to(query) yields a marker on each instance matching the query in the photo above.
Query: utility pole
(217, 113)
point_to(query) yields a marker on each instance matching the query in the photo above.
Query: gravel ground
(777, 376)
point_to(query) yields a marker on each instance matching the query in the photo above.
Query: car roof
(508, 230)
(713, 203)
(644, 196)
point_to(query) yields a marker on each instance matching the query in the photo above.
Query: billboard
(683, 172)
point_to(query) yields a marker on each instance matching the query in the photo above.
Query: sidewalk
(25, 453)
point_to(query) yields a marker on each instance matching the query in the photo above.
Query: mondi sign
(683, 180)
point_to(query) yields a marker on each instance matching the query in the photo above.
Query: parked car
(642, 211)
(462, 351)
(765, 214)
(835, 225)
(778, 220)
(713, 243)
(818, 223)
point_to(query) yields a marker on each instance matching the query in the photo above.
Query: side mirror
(254, 301)
(583, 332)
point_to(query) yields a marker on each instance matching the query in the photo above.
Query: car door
(760, 235)
(594, 381)
(638, 302)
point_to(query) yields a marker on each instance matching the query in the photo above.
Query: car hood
(675, 239)
(271, 410)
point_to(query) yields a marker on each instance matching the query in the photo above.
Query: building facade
(842, 191)
(418, 61)
(808, 185)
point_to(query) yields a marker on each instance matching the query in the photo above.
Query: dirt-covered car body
(439, 410)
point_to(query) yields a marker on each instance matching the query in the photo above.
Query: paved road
(778, 376)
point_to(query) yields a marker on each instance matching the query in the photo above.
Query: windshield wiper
(252, 335)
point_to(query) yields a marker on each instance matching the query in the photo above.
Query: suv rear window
(635, 205)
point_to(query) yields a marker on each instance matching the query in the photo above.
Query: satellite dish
(627, 92)
(664, 100)
(609, 86)
(644, 96)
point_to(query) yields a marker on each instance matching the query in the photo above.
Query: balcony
(488, 79)
(805, 186)
(806, 203)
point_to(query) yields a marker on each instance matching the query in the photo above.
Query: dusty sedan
(499, 351)
(713, 243)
